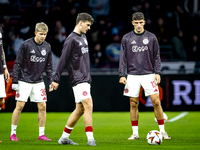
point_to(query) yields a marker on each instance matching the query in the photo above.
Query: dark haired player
(33, 58)
(3, 71)
(140, 52)
(75, 55)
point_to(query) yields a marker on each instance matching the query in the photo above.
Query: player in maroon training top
(33, 58)
(75, 55)
(140, 52)
(3, 70)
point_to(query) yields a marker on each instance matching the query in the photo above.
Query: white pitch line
(181, 115)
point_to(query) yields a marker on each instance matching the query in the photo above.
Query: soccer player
(3, 71)
(75, 55)
(33, 58)
(140, 52)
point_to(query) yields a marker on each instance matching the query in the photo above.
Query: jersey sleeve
(3, 59)
(122, 61)
(66, 53)
(49, 67)
(156, 53)
(18, 63)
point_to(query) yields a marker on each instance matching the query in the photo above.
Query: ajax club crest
(43, 52)
(145, 41)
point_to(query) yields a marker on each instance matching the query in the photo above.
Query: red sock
(67, 130)
(88, 129)
(161, 122)
(134, 123)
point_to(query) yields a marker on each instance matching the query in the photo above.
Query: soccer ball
(154, 137)
(164, 117)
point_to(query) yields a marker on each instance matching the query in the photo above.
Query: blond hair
(41, 27)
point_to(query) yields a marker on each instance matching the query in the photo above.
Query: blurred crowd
(174, 22)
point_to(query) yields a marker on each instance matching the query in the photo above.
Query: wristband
(4, 66)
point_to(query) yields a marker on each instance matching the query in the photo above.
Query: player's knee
(134, 102)
(42, 106)
(88, 105)
(19, 108)
(79, 111)
(156, 103)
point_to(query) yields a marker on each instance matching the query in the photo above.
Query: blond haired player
(33, 58)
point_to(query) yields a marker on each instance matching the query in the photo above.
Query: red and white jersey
(141, 54)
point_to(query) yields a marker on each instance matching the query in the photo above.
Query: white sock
(135, 130)
(65, 134)
(162, 128)
(41, 131)
(90, 136)
(13, 129)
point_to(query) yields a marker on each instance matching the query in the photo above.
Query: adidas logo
(33, 51)
(133, 42)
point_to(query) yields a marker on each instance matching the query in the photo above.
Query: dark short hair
(84, 17)
(138, 16)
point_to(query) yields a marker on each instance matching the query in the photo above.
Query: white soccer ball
(154, 137)
(164, 117)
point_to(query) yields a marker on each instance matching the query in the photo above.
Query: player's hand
(15, 87)
(2, 101)
(53, 86)
(7, 75)
(122, 80)
(50, 88)
(157, 79)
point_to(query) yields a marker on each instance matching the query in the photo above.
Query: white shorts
(134, 83)
(81, 92)
(2, 86)
(36, 92)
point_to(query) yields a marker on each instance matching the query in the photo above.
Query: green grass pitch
(111, 130)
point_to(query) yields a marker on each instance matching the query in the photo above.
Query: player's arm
(64, 58)
(7, 75)
(17, 66)
(157, 78)
(122, 62)
(49, 67)
(157, 61)
(3, 57)
(53, 86)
